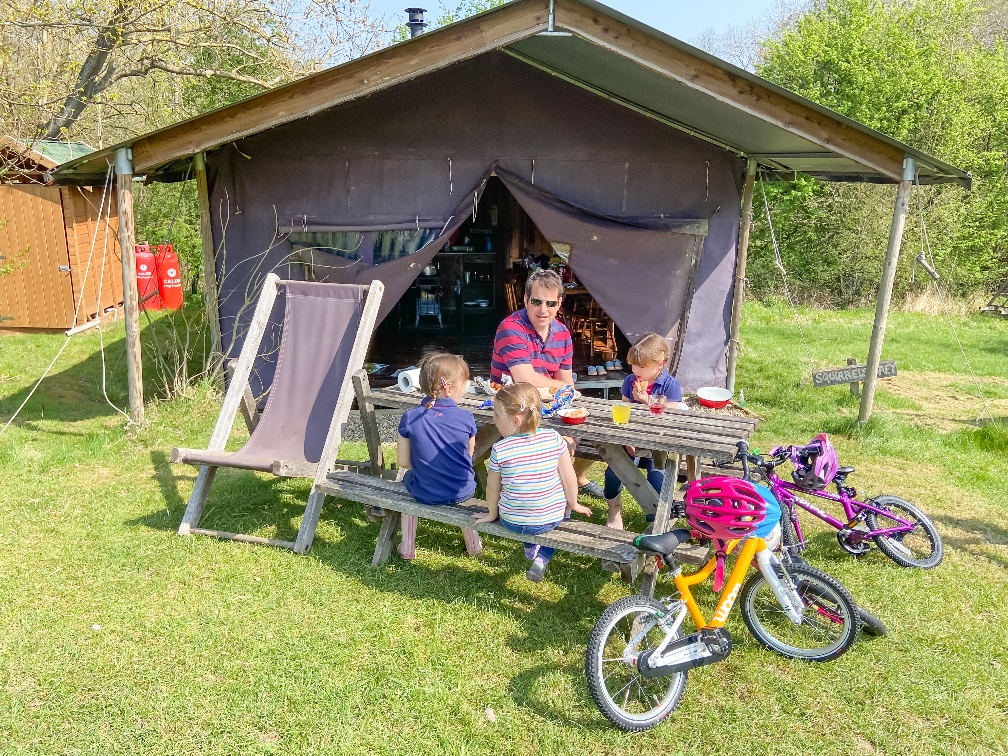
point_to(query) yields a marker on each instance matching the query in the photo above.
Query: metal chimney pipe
(416, 22)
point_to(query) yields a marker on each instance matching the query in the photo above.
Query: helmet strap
(720, 555)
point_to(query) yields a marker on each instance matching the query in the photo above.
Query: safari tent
(630, 151)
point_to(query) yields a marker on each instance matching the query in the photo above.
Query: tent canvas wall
(415, 156)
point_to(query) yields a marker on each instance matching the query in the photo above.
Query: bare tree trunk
(93, 76)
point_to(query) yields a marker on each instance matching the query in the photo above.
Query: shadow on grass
(243, 502)
(979, 536)
(549, 617)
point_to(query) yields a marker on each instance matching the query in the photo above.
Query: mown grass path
(117, 636)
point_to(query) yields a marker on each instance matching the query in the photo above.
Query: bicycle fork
(785, 591)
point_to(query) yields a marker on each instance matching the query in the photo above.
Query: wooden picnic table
(674, 434)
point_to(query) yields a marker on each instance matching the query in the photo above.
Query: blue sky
(684, 20)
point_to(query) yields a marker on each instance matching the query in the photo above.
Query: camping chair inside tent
(326, 332)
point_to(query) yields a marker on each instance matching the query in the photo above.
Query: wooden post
(855, 387)
(886, 287)
(209, 266)
(740, 270)
(131, 297)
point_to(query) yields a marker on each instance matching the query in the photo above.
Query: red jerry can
(169, 277)
(146, 273)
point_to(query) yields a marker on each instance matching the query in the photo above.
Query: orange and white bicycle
(638, 656)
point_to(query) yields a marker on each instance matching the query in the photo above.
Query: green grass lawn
(120, 637)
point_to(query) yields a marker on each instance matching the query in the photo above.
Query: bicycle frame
(786, 493)
(752, 548)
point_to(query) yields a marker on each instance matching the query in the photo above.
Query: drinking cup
(621, 413)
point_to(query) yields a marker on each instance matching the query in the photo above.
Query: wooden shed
(46, 235)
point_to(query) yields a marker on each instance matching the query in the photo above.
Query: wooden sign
(852, 374)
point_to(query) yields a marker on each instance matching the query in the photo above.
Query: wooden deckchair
(326, 332)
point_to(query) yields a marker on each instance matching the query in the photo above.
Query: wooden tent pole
(131, 299)
(740, 270)
(209, 267)
(886, 287)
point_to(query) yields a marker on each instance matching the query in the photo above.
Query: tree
(64, 57)
(931, 73)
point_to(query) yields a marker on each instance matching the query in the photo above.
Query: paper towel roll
(409, 381)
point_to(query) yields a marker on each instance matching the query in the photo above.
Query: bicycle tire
(638, 717)
(870, 624)
(925, 540)
(791, 548)
(829, 611)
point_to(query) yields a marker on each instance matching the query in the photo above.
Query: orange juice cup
(621, 413)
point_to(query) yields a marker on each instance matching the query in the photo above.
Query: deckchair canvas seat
(326, 332)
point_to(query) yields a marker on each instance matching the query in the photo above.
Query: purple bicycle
(900, 530)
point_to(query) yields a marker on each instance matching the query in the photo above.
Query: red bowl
(713, 397)
(564, 415)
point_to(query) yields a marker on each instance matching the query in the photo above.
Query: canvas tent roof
(608, 53)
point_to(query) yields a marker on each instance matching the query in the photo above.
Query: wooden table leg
(661, 522)
(692, 468)
(386, 539)
(369, 422)
(630, 476)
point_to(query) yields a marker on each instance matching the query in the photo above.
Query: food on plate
(576, 413)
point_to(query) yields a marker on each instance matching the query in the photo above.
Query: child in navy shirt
(435, 445)
(649, 384)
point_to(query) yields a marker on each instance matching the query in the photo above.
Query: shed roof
(23, 162)
(605, 52)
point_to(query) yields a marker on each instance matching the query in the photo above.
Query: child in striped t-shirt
(531, 484)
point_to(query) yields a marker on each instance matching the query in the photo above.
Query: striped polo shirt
(531, 490)
(518, 343)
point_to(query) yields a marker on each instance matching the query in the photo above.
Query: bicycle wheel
(870, 624)
(829, 624)
(920, 547)
(626, 698)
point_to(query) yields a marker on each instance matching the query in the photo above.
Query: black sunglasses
(549, 302)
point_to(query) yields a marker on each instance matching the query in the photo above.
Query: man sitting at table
(533, 347)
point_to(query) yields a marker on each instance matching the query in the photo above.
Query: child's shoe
(537, 571)
(408, 555)
(531, 552)
(610, 365)
(600, 370)
(617, 366)
(592, 370)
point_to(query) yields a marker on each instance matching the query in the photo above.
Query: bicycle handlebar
(766, 465)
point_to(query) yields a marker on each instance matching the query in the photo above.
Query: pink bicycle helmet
(816, 464)
(723, 509)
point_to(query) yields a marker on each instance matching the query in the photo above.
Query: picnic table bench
(575, 536)
(674, 434)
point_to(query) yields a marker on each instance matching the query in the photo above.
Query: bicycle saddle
(664, 544)
(843, 472)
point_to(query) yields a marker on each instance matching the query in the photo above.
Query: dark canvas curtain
(641, 273)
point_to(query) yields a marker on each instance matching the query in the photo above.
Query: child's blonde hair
(648, 350)
(440, 368)
(521, 399)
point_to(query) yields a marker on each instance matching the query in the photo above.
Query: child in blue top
(649, 384)
(435, 446)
